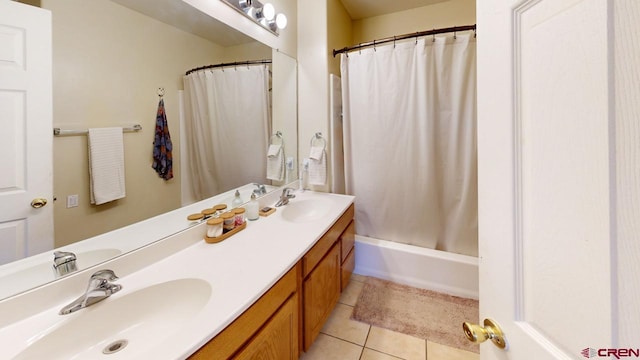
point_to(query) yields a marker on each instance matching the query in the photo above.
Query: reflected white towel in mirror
(317, 166)
(275, 162)
(106, 165)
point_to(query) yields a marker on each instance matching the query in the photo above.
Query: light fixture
(281, 21)
(264, 15)
(268, 11)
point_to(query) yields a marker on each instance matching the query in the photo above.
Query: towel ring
(318, 136)
(277, 135)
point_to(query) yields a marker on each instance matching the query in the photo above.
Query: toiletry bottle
(252, 208)
(237, 201)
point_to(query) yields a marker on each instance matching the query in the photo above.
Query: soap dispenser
(253, 208)
(237, 201)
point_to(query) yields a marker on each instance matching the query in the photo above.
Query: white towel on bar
(317, 166)
(106, 165)
(275, 162)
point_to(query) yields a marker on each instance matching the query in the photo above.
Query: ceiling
(359, 9)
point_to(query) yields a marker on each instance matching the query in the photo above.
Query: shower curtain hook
(417, 37)
(433, 34)
(394, 41)
(374, 46)
(360, 48)
(455, 36)
(474, 33)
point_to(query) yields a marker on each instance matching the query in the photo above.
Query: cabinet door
(321, 293)
(278, 339)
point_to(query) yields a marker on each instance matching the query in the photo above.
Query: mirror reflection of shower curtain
(227, 123)
(410, 142)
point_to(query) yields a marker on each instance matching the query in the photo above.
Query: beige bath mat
(417, 312)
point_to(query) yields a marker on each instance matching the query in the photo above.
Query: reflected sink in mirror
(306, 210)
(128, 324)
(43, 272)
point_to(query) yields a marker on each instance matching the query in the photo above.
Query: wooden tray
(214, 240)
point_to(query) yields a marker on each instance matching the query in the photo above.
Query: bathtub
(435, 270)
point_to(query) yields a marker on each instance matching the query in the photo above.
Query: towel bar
(60, 132)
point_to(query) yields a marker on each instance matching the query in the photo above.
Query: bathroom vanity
(289, 316)
(266, 290)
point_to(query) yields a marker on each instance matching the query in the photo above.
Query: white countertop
(240, 270)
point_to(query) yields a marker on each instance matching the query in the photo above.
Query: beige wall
(313, 79)
(108, 62)
(339, 32)
(444, 14)
(244, 52)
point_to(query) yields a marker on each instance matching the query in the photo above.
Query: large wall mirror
(109, 59)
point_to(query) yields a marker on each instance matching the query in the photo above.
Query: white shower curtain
(227, 120)
(410, 142)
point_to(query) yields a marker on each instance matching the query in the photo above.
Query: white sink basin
(306, 210)
(142, 318)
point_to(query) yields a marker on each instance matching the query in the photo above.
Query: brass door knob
(37, 203)
(491, 331)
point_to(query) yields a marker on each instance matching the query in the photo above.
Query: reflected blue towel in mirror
(162, 158)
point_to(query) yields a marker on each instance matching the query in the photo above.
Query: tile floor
(345, 339)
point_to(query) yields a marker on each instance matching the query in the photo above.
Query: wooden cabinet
(321, 293)
(323, 277)
(278, 339)
(270, 324)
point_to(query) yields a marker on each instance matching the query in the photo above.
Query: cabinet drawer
(348, 238)
(317, 252)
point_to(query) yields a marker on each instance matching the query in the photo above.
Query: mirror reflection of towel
(162, 146)
(106, 165)
(275, 162)
(317, 166)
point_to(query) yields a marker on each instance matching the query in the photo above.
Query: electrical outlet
(290, 163)
(72, 201)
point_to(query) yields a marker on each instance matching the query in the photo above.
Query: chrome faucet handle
(101, 279)
(64, 262)
(105, 274)
(286, 192)
(261, 189)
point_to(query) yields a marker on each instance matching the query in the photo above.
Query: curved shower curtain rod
(403, 37)
(250, 62)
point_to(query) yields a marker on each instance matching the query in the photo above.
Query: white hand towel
(317, 166)
(106, 165)
(275, 162)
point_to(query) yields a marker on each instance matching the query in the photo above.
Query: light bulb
(281, 21)
(268, 11)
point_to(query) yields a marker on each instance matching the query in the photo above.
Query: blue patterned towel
(162, 158)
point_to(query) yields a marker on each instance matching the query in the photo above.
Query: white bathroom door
(546, 214)
(26, 181)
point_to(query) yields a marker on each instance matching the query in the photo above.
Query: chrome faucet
(261, 190)
(64, 263)
(100, 288)
(284, 198)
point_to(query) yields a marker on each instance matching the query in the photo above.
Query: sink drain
(115, 346)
